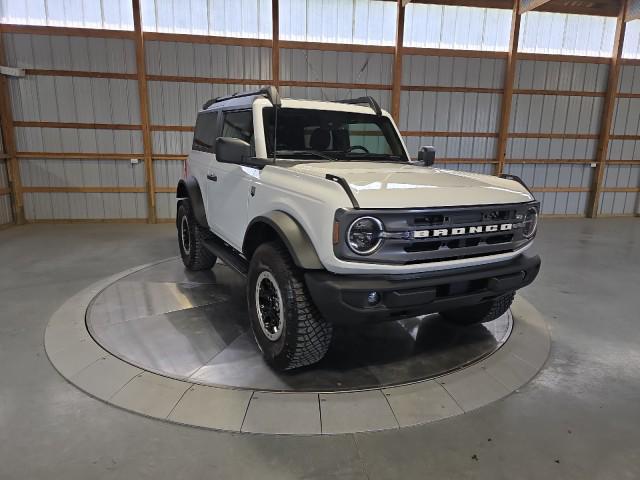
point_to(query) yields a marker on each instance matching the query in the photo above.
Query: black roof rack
(269, 92)
(364, 100)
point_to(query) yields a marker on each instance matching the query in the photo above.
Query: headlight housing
(364, 235)
(530, 222)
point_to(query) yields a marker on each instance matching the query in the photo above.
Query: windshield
(332, 135)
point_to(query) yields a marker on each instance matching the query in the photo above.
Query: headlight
(364, 235)
(530, 222)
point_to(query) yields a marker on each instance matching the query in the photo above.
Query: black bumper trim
(342, 299)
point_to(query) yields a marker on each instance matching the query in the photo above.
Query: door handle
(212, 177)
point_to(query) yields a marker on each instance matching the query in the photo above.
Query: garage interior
(97, 106)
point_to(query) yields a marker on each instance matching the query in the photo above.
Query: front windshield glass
(321, 135)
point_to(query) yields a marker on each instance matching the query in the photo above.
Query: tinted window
(206, 132)
(238, 125)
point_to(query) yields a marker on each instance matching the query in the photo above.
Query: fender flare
(292, 235)
(189, 189)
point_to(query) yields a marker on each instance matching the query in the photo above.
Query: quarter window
(238, 125)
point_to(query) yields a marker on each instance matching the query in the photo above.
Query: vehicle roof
(248, 101)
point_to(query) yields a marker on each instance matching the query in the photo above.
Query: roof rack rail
(364, 100)
(269, 92)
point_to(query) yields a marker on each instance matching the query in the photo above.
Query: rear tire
(194, 254)
(287, 326)
(481, 313)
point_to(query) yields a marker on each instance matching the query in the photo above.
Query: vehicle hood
(387, 185)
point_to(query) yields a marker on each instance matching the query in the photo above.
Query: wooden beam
(307, 83)
(437, 88)
(449, 52)
(275, 43)
(507, 97)
(66, 31)
(441, 134)
(78, 125)
(530, 5)
(212, 80)
(335, 47)
(608, 110)
(9, 142)
(206, 39)
(396, 83)
(79, 73)
(79, 155)
(97, 189)
(553, 57)
(143, 93)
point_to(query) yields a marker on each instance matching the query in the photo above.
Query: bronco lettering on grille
(448, 232)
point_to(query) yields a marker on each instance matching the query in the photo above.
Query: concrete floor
(580, 418)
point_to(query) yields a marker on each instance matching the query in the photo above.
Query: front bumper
(342, 299)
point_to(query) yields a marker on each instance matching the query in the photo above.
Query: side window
(238, 125)
(206, 132)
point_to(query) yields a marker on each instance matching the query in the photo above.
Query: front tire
(194, 254)
(481, 313)
(287, 326)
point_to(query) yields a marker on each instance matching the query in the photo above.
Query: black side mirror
(232, 150)
(427, 155)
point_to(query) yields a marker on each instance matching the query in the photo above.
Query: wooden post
(507, 96)
(396, 83)
(9, 142)
(608, 110)
(275, 43)
(143, 93)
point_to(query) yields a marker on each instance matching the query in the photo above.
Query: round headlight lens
(364, 235)
(530, 222)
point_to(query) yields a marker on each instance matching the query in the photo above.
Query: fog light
(373, 298)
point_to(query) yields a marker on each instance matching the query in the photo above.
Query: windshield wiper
(305, 152)
(362, 155)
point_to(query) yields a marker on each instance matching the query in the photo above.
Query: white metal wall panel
(71, 140)
(202, 60)
(543, 75)
(327, 66)
(558, 33)
(114, 55)
(631, 47)
(453, 71)
(231, 18)
(629, 79)
(455, 147)
(338, 21)
(444, 26)
(82, 172)
(106, 14)
(75, 99)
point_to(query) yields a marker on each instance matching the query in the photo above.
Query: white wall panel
(338, 21)
(543, 75)
(558, 33)
(106, 14)
(201, 60)
(453, 71)
(326, 66)
(455, 147)
(75, 99)
(167, 173)
(59, 205)
(70, 53)
(36, 139)
(231, 18)
(444, 26)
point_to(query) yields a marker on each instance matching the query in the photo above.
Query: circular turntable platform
(193, 325)
(176, 345)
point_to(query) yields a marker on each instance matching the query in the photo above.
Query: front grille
(440, 234)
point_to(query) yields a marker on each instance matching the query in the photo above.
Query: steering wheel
(358, 147)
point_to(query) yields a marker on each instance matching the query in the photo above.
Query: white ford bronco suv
(320, 207)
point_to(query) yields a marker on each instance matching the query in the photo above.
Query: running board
(227, 254)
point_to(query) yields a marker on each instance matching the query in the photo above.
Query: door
(229, 184)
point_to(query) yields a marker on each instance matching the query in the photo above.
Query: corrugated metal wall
(437, 112)
(343, 21)
(571, 124)
(175, 103)
(77, 99)
(624, 175)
